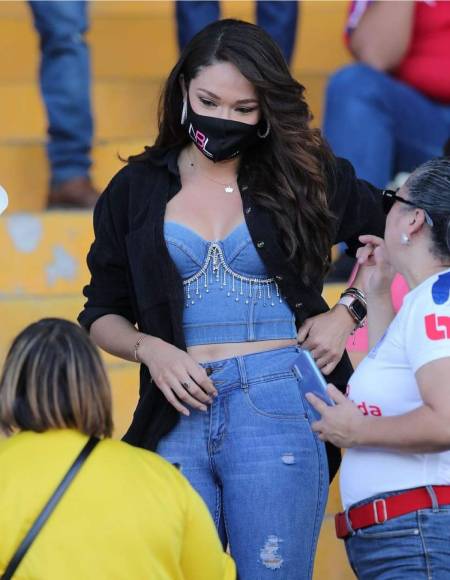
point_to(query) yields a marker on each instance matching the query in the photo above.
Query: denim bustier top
(228, 295)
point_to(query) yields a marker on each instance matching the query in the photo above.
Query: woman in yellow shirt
(128, 514)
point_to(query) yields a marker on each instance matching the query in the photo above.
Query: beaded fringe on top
(216, 270)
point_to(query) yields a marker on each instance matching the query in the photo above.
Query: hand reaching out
(377, 271)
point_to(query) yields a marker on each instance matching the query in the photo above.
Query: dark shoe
(77, 192)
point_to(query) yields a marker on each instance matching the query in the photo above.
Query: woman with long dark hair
(214, 242)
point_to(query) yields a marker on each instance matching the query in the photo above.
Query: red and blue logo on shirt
(437, 327)
(440, 290)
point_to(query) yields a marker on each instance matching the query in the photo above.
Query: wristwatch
(356, 307)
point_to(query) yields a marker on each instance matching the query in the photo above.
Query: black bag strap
(48, 509)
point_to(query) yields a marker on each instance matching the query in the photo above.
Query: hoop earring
(184, 112)
(266, 132)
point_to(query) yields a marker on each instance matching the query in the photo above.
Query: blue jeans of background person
(65, 85)
(279, 19)
(415, 546)
(382, 125)
(257, 464)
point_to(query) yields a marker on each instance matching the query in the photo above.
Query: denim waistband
(251, 368)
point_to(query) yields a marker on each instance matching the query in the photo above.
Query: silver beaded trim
(215, 269)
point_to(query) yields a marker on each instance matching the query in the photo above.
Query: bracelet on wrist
(355, 302)
(136, 348)
(356, 292)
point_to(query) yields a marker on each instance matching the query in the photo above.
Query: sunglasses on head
(389, 197)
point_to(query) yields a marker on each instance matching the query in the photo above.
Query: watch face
(358, 309)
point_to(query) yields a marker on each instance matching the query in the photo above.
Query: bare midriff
(210, 352)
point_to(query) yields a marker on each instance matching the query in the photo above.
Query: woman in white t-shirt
(395, 476)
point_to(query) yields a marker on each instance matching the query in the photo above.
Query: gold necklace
(228, 188)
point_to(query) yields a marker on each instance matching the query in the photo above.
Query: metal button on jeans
(260, 244)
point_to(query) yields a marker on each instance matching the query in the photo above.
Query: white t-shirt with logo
(384, 384)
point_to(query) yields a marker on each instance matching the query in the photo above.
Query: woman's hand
(325, 336)
(339, 424)
(377, 272)
(177, 375)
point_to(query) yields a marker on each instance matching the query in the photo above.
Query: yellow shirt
(128, 515)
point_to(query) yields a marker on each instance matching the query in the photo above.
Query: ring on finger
(185, 386)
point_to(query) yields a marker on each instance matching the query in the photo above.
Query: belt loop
(350, 530)
(242, 372)
(376, 502)
(434, 499)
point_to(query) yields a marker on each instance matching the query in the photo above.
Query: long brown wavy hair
(291, 170)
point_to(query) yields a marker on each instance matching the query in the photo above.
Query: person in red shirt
(390, 111)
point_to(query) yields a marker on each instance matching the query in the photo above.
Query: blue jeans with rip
(382, 125)
(257, 464)
(279, 19)
(65, 85)
(415, 546)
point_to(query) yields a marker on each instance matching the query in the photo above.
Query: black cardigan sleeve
(108, 291)
(357, 206)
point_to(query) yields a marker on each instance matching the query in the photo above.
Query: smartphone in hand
(311, 379)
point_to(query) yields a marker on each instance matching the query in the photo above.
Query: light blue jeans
(415, 546)
(277, 18)
(257, 464)
(65, 85)
(382, 125)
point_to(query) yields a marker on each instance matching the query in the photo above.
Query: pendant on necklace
(229, 189)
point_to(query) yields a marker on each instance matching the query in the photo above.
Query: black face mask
(219, 139)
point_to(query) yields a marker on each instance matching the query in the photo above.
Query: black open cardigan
(133, 275)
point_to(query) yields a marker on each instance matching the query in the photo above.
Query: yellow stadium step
(122, 109)
(18, 311)
(44, 254)
(320, 47)
(24, 170)
(138, 39)
(331, 561)
(124, 380)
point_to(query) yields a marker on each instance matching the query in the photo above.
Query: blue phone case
(311, 379)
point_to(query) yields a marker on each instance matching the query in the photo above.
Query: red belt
(380, 510)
